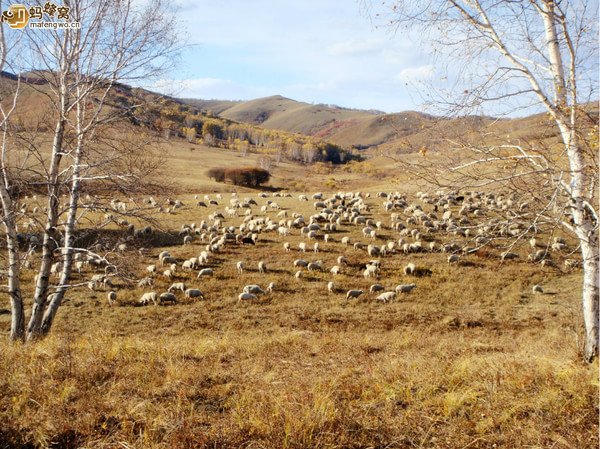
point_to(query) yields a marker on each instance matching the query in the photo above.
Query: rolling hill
(360, 129)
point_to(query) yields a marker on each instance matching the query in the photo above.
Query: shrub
(216, 173)
(247, 176)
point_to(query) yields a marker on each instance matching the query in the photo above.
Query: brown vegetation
(470, 358)
(240, 176)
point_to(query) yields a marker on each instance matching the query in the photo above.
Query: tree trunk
(17, 328)
(67, 249)
(49, 242)
(591, 278)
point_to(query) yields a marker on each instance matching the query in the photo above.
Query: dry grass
(471, 358)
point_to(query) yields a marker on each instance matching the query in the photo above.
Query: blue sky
(321, 51)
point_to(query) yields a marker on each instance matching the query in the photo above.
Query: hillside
(406, 132)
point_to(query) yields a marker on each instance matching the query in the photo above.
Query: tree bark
(48, 244)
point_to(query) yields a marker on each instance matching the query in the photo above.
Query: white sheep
(386, 297)
(537, 289)
(300, 263)
(167, 297)
(370, 272)
(358, 246)
(262, 267)
(168, 260)
(271, 287)
(240, 267)
(316, 247)
(299, 274)
(410, 269)
(187, 240)
(149, 297)
(331, 287)
(193, 293)
(168, 274)
(254, 289)
(302, 247)
(376, 288)
(287, 247)
(314, 267)
(145, 282)
(406, 288)
(345, 241)
(205, 272)
(112, 297)
(335, 270)
(453, 258)
(178, 286)
(246, 297)
(353, 293)
(342, 260)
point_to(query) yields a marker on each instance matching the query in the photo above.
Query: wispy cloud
(319, 51)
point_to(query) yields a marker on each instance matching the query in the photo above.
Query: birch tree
(527, 56)
(77, 69)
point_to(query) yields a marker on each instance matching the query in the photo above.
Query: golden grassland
(471, 358)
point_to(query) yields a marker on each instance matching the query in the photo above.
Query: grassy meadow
(471, 358)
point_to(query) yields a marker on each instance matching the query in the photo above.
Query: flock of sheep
(452, 223)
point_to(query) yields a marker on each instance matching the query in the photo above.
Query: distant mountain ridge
(342, 126)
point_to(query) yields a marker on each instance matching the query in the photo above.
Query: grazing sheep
(314, 267)
(299, 274)
(358, 246)
(335, 270)
(410, 269)
(112, 297)
(246, 297)
(316, 247)
(353, 293)
(300, 263)
(163, 254)
(345, 241)
(537, 289)
(370, 272)
(287, 247)
(168, 274)
(302, 247)
(376, 288)
(205, 272)
(271, 287)
(145, 282)
(187, 240)
(342, 260)
(453, 258)
(167, 297)
(149, 297)
(407, 288)
(508, 255)
(178, 286)
(168, 261)
(571, 264)
(240, 267)
(558, 246)
(386, 297)
(193, 293)
(326, 238)
(262, 267)
(254, 289)
(331, 287)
